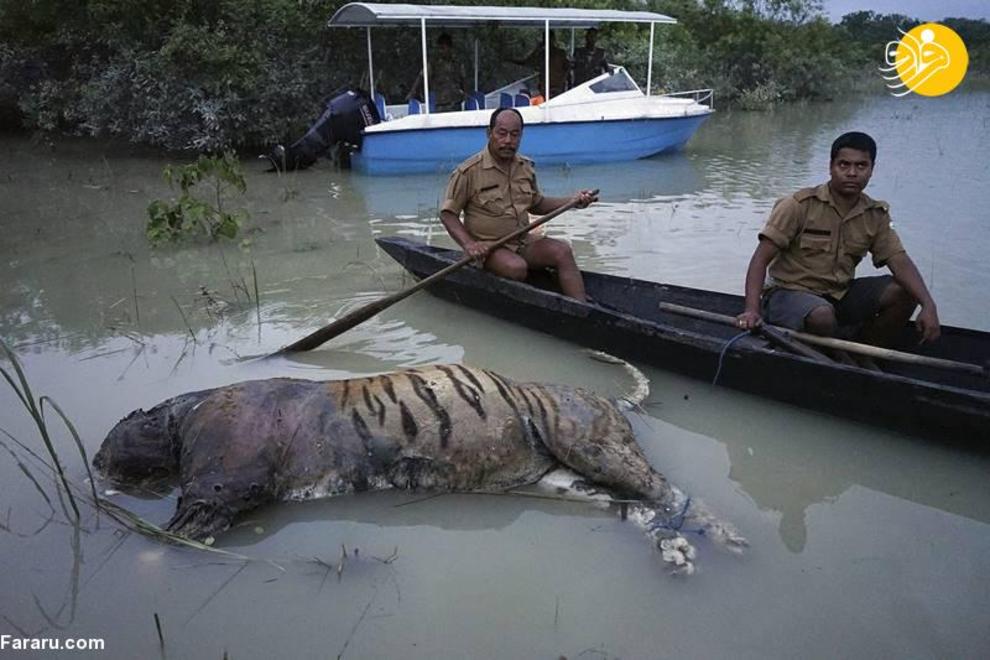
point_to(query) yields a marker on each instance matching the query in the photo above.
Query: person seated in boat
(811, 245)
(559, 67)
(496, 190)
(589, 60)
(447, 80)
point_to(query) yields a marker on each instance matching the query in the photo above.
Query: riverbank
(204, 78)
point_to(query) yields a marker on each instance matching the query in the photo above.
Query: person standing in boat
(559, 67)
(447, 80)
(811, 245)
(589, 60)
(496, 190)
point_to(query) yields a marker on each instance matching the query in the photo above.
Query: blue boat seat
(504, 100)
(521, 100)
(380, 104)
(479, 98)
(416, 106)
(471, 103)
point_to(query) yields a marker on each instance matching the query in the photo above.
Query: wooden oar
(345, 323)
(773, 335)
(781, 340)
(832, 342)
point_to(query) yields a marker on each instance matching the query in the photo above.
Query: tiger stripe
(500, 386)
(381, 410)
(389, 389)
(525, 397)
(409, 426)
(470, 376)
(361, 427)
(465, 392)
(370, 400)
(554, 409)
(543, 410)
(429, 397)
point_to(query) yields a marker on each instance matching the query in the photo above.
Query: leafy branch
(190, 215)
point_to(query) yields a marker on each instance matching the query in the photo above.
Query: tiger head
(139, 450)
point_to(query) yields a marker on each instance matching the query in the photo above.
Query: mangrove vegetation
(210, 76)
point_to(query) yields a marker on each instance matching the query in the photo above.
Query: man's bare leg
(506, 263)
(821, 321)
(549, 252)
(896, 307)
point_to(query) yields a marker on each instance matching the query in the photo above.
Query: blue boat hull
(570, 143)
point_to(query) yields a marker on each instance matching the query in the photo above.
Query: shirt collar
(824, 193)
(488, 160)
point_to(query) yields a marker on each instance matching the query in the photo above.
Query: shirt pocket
(855, 246)
(856, 242)
(493, 201)
(816, 241)
(523, 193)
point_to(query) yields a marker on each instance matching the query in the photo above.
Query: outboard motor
(341, 123)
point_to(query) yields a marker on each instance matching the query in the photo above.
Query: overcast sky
(923, 9)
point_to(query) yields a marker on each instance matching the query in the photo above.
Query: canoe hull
(917, 400)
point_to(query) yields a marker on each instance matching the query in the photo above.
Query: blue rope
(725, 348)
(674, 523)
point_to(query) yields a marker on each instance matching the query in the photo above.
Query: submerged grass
(161, 638)
(35, 410)
(257, 297)
(124, 517)
(27, 472)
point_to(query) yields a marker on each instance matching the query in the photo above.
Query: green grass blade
(13, 386)
(26, 471)
(79, 444)
(27, 397)
(28, 400)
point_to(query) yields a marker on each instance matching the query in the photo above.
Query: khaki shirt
(495, 202)
(446, 82)
(588, 63)
(819, 248)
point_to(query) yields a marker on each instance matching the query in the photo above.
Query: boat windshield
(617, 81)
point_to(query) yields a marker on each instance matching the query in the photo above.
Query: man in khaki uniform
(559, 68)
(812, 243)
(447, 80)
(589, 60)
(496, 189)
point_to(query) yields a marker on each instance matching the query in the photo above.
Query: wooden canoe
(626, 320)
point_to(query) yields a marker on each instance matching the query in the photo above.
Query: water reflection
(419, 196)
(387, 509)
(794, 459)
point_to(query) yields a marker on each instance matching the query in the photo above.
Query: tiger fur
(443, 428)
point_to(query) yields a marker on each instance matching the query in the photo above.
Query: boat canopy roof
(374, 14)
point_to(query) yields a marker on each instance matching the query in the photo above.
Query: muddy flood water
(864, 543)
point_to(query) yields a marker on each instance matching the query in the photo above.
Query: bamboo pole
(840, 344)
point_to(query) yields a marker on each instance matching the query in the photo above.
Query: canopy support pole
(475, 65)
(649, 62)
(426, 72)
(546, 59)
(371, 68)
